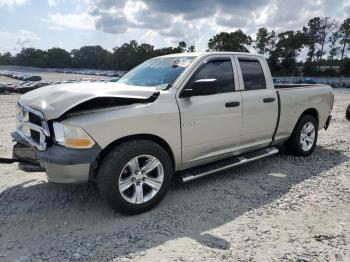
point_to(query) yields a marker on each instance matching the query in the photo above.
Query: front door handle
(232, 104)
(269, 100)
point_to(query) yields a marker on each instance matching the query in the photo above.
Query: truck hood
(55, 100)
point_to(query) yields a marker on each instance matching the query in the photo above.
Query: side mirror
(201, 87)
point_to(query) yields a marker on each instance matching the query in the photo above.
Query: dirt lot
(278, 209)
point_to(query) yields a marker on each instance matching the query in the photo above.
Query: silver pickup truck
(190, 114)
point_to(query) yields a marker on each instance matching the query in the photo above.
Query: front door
(211, 124)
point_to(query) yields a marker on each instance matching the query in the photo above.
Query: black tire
(347, 114)
(111, 170)
(293, 145)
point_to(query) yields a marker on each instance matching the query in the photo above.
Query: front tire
(303, 140)
(135, 176)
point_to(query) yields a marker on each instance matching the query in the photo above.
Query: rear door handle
(232, 104)
(269, 100)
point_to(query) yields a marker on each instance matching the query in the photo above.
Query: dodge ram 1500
(188, 115)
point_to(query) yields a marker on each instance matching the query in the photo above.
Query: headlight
(72, 136)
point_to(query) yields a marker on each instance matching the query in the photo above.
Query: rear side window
(222, 71)
(253, 75)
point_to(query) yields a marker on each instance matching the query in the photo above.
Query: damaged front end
(26, 158)
(104, 103)
(38, 147)
(32, 133)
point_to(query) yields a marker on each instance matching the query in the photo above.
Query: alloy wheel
(141, 179)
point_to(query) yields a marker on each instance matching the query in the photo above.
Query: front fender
(160, 119)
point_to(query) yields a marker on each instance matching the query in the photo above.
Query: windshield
(157, 72)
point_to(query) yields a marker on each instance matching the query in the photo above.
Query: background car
(5, 89)
(30, 86)
(31, 78)
(308, 80)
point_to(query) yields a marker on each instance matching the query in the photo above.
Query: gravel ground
(278, 209)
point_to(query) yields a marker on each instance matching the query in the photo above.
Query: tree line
(124, 57)
(326, 41)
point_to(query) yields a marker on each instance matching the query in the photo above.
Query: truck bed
(294, 99)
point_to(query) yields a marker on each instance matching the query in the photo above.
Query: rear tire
(303, 140)
(124, 181)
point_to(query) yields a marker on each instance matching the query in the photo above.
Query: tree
(182, 46)
(131, 54)
(166, 51)
(330, 72)
(312, 36)
(144, 52)
(334, 48)
(93, 57)
(262, 40)
(345, 69)
(309, 69)
(283, 58)
(7, 59)
(271, 44)
(125, 55)
(281, 49)
(58, 58)
(32, 57)
(317, 37)
(327, 26)
(344, 32)
(191, 49)
(235, 41)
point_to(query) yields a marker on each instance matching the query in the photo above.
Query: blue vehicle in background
(308, 80)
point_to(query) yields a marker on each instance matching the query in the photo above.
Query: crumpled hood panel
(53, 101)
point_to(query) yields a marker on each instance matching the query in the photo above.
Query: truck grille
(34, 119)
(35, 135)
(32, 127)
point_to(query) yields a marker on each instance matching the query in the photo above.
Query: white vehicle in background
(188, 115)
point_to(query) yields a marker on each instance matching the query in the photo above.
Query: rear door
(260, 104)
(211, 124)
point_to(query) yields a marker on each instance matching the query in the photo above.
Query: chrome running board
(208, 169)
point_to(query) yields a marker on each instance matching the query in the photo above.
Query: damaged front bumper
(62, 165)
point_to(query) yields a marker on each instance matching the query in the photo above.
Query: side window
(222, 71)
(253, 75)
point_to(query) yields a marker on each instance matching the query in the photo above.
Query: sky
(71, 24)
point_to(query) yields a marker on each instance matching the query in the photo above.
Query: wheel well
(153, 138)
(311, 111)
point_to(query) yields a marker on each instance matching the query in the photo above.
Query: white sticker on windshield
(181, 62)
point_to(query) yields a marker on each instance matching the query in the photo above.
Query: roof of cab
(197, 54)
